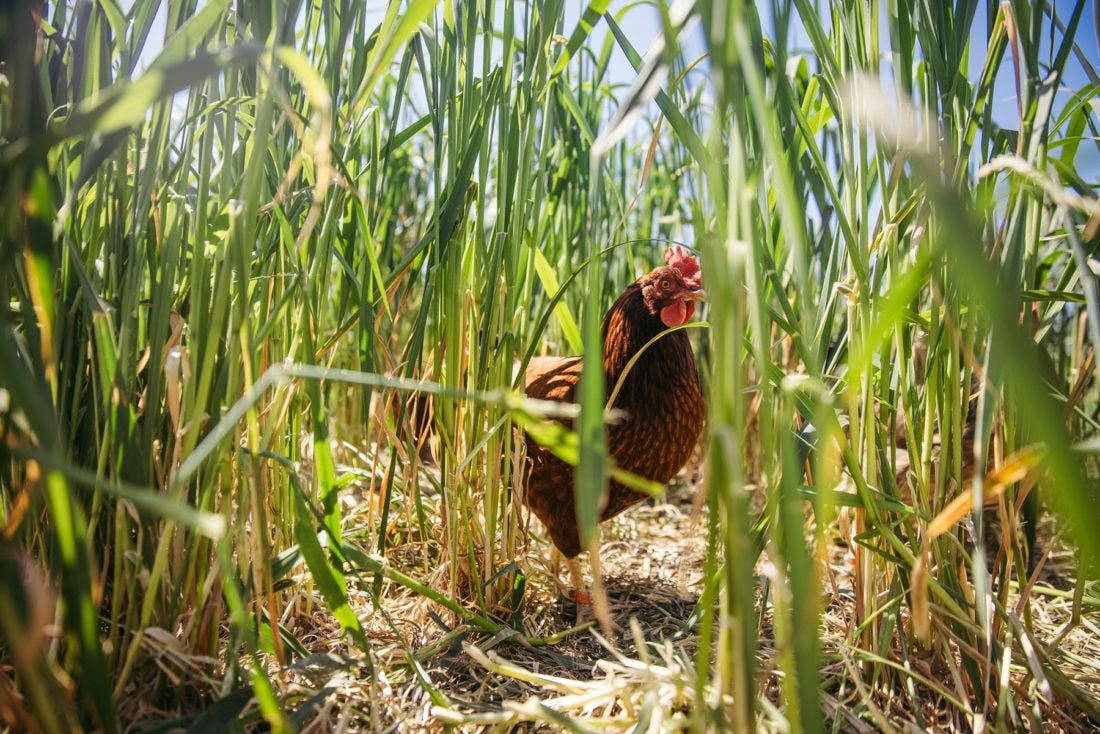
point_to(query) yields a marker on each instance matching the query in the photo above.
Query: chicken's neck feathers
(666, 365)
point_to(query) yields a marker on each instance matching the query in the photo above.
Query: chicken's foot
(589, 606)
(578, 589)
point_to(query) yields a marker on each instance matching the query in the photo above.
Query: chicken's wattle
(676, 313)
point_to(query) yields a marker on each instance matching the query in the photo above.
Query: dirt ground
(652, 558)
(424, 672)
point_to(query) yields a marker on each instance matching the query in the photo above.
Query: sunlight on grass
(270, 284)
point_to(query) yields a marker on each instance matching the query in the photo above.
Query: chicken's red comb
(679, 258)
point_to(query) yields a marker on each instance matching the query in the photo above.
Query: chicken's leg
(601, 607)
(587, 607)
(578, 589)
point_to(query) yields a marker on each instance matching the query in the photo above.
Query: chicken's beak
(696, 295)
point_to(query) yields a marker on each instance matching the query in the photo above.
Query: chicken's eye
(665, 284)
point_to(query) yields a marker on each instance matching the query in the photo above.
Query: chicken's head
(670, 291)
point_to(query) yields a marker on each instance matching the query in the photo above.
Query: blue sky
(641, 24)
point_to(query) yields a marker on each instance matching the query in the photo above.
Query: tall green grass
(224, 274)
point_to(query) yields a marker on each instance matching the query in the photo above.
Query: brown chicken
(660, 396)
